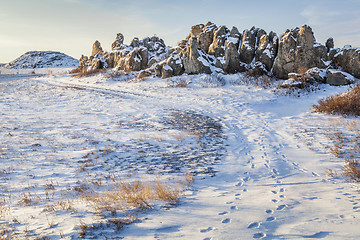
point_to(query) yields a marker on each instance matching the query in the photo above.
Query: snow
(269, 182)
(43, 59)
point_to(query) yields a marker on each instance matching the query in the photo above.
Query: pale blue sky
(71, 26)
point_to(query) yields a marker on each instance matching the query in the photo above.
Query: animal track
(254, 225)
(259, 235)
(226, 220)
(269, 211)
(281, 207)
(223, 213)
(205, 230)
(270, 219)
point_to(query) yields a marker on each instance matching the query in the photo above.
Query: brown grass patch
(351, 170)
(75, 70)
(90, 73)
(346, 104)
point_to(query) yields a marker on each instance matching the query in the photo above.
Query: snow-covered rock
(337, 78)
(43, 59)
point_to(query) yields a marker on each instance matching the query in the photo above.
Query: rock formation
(209, 48)
(298, 51)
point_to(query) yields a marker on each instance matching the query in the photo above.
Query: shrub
(344, 104)
(351, 170)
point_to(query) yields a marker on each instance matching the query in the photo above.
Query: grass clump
(351, 170)
(89, 73)
(346, 104)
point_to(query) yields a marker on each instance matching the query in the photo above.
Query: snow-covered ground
(259, 159)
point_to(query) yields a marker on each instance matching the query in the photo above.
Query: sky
(72, 26)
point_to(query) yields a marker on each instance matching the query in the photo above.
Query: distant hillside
(43, 59)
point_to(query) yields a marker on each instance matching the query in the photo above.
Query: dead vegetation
(346, 104)
(89, 73)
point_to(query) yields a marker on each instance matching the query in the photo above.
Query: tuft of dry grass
(346, 104)
(351, 170)
(90, 73)
(331, 173)
(75, 70)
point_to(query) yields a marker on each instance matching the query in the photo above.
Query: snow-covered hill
(43, 59)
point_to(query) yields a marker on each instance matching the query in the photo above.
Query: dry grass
(351, 170)
(137, 195)
(346, 104)
(75, 70)
(331, 173)
(89, 73)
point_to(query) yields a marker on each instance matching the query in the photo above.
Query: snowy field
(258, 159)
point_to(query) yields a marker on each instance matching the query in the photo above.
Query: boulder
(247, 49)
(136, 60)
(158, 69)
(119, 41)
(206, 36)
(195, 31)
(329, 44)
(232, 58)
(318, 74)
(167, 71)
(338, 78)
(143, 74)
(135, 42)
(96, 49)
(349, 60)
(217, 48)
(265, 52)
(298, 51)
(176, 64)
(194, 59)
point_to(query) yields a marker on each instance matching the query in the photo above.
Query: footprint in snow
(270, 219)
(274, 200)
(240, 184)
(315, 174)
(269, 211)
(223, 213)
(259, 235)
(254, 225)
(281, 207)
(233, 208)
(226, 220)
(205, 230)
(274, 192)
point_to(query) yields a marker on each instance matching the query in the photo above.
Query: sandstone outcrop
(298, 51)
(209, 48)
(349, 60)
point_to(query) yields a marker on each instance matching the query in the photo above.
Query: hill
(43, 59)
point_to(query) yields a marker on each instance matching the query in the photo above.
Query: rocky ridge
(42, 59)
(217, 49)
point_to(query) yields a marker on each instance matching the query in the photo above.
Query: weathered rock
(176, 64)
(193, 59)
(206, 36)
(195, 31)
(96, 49)
(217, 48)
(338, 78)
(143, 74)
(232, 58)
(119, 41)
(135, 42)
(167, 71)
(136, 60)
(247, 49)
(298, 52)
(329, 44)
(349, 60)
(158, 69)
(265, 52)
(317, 74)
